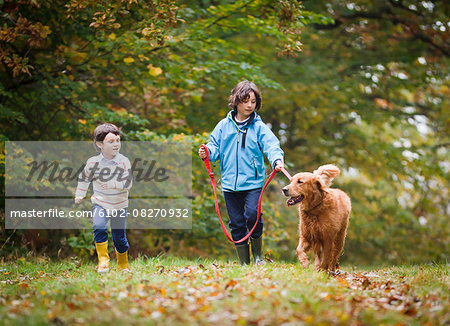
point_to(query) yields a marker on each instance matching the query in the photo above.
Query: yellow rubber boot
(103, 257)
(122, 261)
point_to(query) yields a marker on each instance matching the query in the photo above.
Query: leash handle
(213, 182)
(286, 173)
(206, 160)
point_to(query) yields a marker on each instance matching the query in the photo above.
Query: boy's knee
(252, 214)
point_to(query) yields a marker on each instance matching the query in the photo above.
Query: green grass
(175, 291)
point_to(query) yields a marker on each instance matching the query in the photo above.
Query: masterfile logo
(142, 169)
(41, 180)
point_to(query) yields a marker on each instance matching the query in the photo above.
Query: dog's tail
(327, 173)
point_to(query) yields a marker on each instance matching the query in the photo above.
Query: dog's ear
(317, 192)
(327, 173)
(318, 183)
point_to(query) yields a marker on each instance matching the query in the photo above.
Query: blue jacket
(240, 152)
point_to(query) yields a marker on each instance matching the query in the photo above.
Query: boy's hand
(78, 200)
(202, 153)
(279, 166)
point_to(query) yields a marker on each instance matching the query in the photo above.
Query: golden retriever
(324, 214)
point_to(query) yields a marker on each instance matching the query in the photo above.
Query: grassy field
(173, 291)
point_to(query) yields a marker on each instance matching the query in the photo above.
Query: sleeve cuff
(275, 163)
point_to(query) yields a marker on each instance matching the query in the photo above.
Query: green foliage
(81, 244)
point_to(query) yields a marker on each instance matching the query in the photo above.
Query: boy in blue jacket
(239, 141)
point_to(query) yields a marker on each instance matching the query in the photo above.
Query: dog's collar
(309, 210)
(320, 203)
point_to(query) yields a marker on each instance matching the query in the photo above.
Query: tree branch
(230, 14)
(385, 12)
(442, 145)
(399, 4)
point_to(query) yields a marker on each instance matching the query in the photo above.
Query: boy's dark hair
(102, 130)
(241, 92)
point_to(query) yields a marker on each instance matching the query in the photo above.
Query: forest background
(361, 84)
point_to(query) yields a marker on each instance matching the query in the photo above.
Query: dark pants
(118, 219)
(242, 207)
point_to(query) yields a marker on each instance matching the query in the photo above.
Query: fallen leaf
(24, 285)
(231, 283)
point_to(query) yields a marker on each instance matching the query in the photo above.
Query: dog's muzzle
(294, 200)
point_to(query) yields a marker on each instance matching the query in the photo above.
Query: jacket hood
(253, 118)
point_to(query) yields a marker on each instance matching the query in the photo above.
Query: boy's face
(246, 107)
(110, 145)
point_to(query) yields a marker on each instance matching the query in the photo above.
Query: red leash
(213, 182)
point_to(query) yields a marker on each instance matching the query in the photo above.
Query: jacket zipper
(254, 164)
(244, 135)
(237, 162)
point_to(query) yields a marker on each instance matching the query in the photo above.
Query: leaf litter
(211, 292)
